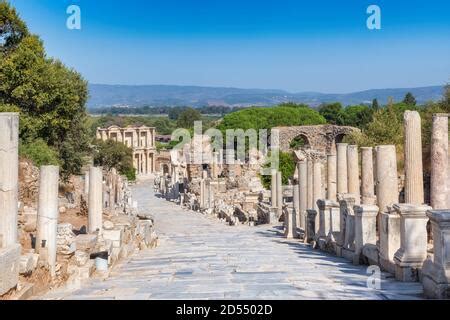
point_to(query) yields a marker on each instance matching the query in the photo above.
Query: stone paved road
(201, 258)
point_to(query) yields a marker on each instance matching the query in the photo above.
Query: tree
(50, 97)
(12, 28)
(332, 112)
(266, 118)
(375, 105)
(409, 99)
(111, 154)
(356, 116)
(187, 118)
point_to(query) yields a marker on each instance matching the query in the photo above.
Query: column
(413, 158)
(47, 219)
(435, 280)
(331, 177)
(342, 183)
(367, 182)
(86, 182)
(279, 194)
(413, 241)
(439, 162)
(302, 176)
(296, 200)
(309, 183)
(353, 172)
(273, 189)
(317, 182)
(95, 212)
(387, 184)
(9, 173)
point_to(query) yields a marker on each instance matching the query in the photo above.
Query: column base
(435, 281)
(9, 268)
(387, 265)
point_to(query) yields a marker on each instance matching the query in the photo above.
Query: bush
(39, 152)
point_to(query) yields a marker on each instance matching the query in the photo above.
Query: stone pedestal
(353, 172)
(413, 241)
(290, 229)
(47, 220)
(342, 182)
(367, 178)
(436, 270)
(413, 158)
(439, 162)
(9, 267)
(325, 221)
(365, 229)
(95, 212)
(389, 239)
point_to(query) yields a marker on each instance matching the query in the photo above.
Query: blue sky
(286, 44)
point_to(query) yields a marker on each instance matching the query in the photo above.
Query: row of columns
(402, 233)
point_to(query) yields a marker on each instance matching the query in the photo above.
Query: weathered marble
(331, 177)
(367, 177)
(95, 211)
(439, 162)
(436, 270)
(342, 182)
(387, 183)
(413, 158)
(413, 241)
(47, 220)
(353, 172)
(365, 229)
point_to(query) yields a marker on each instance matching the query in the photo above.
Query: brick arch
(320, 137)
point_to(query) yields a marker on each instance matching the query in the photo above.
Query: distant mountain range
(167, 95)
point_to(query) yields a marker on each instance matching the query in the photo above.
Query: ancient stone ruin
(342, 199)
(39, 248)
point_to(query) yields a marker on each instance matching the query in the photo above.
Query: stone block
(115, 236)
(26, 264)
(9, 268)
(86, 242)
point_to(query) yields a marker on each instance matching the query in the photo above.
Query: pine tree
(409, 99)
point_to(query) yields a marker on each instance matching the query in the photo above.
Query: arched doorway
(300, 142)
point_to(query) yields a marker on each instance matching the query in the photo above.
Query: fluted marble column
(387, 183)
(367, 182)
(303, 177)
(353, 172)
(342, 183)
(413, 158)
(439, 162)
(331, 177)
